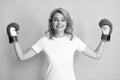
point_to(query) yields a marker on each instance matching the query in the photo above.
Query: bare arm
(23, 55)
(12, 31)
(96, 54)
(106, 27)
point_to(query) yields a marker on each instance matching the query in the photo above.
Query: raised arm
(96, 54)
(12, 31)
(106, 28)
(23, 55)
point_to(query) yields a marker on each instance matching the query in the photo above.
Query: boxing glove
(12, 29)
(106, 27)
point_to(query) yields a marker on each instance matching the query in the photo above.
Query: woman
(60, 44)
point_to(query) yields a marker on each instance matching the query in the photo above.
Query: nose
(59, 22)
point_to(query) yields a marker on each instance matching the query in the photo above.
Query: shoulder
(75, 37)
(77, 40)
(44, 38)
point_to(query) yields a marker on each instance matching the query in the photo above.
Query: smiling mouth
(59, 26)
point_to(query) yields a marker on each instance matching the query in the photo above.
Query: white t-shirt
(60, 53)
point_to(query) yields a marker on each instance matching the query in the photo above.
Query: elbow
(98, 57)
(20, 59)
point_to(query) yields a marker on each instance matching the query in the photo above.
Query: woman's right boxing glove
(12, 32)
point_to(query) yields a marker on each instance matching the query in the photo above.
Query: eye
(63, 19)
(55, 19)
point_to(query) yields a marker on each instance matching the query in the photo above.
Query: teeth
(60, 26)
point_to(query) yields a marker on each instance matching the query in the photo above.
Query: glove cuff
(105, 38)
(13, 39)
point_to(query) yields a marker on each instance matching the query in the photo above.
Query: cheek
(65, 23)
(55, 23)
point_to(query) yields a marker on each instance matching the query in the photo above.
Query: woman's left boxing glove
(12, 29)
(106, 27)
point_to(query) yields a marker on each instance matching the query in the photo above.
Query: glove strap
(13, 39)
(105, 38)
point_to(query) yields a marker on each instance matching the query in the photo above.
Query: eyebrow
(57, 17)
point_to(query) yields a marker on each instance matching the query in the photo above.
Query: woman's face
(59, 22)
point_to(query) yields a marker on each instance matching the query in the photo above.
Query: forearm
(18, 51)
(99, 50)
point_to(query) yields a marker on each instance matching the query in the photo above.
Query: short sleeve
(37, 47)
(79, 44)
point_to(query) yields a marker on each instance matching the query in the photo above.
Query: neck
(60, 34)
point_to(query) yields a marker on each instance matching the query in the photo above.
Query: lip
(59, 26)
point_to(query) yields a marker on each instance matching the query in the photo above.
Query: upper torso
(60, 52)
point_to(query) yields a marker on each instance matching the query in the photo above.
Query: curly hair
(69, 26)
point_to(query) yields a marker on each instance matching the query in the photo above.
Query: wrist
(13, 39)
(105, 37)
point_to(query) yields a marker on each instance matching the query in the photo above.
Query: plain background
(32, 16)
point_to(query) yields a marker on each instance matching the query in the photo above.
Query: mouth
(59, 26)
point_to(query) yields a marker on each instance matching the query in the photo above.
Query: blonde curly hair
(69, 26)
